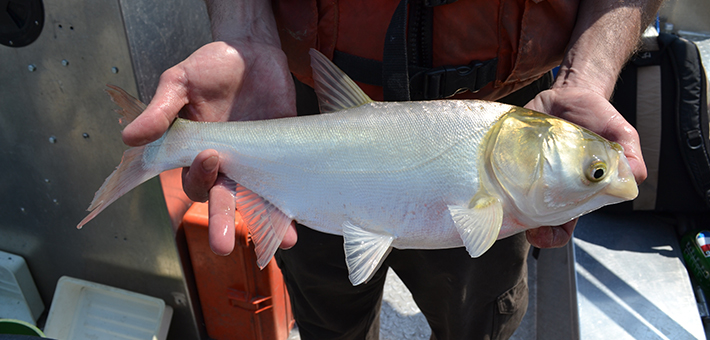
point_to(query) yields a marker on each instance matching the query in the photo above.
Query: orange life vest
(526, 37)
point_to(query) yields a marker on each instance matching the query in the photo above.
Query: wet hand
(594, 112)
(219, 82)
(202, 181)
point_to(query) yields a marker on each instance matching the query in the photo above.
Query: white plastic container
(19, 298)
(87, 310)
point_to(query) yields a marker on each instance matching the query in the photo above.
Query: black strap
(420, 30)
(368, 71)
(403, 57)
(395, 72)
(425, 83)
(691, 109)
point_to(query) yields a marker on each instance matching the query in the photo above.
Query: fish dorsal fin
(130, 106)
(479, 223)
(335, 90)
(267, 224)
(364, 252)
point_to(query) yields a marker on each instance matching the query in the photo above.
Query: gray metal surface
(161, 34)
(631, 282)
(59, 140)
(556, 312)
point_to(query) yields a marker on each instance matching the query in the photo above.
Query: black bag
(663, 93)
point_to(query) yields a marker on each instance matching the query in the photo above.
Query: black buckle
(446, 81)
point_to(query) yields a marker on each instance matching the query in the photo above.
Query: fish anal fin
(335, 90)
(364, 252)
(130, 106)
(478, 223)
(267, 224)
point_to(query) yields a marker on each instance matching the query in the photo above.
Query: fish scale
(397, 148)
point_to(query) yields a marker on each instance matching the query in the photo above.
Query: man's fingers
(551, 237)
(169, 99)
(201, 181)
(290, 237)
(632, 150)
(198, 179)
(221, 216)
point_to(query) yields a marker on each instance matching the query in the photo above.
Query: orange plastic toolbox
(238, 300)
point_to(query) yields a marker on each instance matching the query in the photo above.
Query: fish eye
(596, 171)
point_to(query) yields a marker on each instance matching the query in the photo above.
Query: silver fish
(405, 175)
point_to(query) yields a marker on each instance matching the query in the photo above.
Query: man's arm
(606, 34)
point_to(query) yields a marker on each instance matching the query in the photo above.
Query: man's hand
(606, 34)
(594, 112)
(219, 82)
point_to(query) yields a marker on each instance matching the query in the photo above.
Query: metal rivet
(65, 62)
(114, 69)
(31, 67)
(52, 139)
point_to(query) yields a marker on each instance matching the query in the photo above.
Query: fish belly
(388, 168)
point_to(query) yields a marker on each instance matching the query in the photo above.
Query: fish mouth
(624, 187)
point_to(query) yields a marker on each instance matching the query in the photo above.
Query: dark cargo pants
(461, 297)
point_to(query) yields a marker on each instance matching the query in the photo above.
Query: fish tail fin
(129, 174)
(132, 171)
(130, 106)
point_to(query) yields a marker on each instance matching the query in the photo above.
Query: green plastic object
(19, 327)
(696, 253)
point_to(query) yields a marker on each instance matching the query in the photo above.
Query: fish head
(553, 171)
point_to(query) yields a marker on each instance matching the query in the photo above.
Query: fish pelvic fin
(266, 223)
(335, 90)
(129, 174)
(364, 252)
(130, 106)
(478, 223)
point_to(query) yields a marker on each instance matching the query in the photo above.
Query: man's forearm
(605, 36)
(251, 20)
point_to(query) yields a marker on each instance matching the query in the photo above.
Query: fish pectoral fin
(364, 252)
(479, 223)
(267, 224)
(335, 90)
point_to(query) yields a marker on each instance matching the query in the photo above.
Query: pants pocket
(509, 311)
